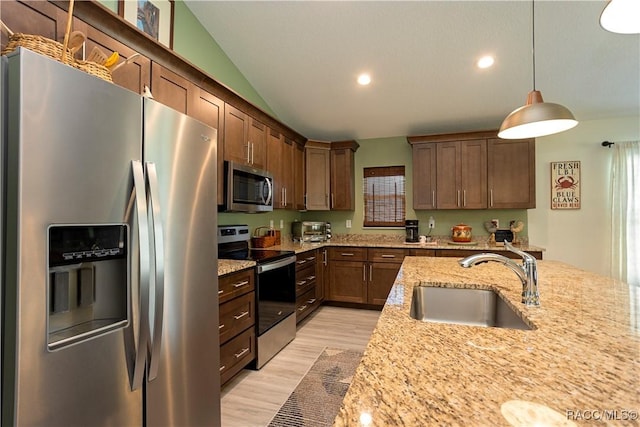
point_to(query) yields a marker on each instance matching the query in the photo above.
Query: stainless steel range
(275, 289)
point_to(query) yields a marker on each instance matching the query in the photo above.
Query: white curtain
(625, 226)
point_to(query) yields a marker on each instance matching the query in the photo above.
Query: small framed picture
(152, 17)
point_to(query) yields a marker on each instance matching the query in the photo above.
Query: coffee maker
(411, 228)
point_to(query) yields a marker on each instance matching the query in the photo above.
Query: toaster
(310, 231)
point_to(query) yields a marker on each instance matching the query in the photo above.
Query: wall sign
(565, 185)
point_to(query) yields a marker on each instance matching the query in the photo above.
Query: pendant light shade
(621, 16)
(536, 118)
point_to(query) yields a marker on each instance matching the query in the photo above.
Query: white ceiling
(303, 58)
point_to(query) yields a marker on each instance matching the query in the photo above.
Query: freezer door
(186, 390)
(71, 139)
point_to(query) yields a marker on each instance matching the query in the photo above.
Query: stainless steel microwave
(247, 189)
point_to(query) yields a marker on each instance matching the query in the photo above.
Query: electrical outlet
(270, 223)
(281, 224)
(496, 222)
(432, 223)
(348, 223)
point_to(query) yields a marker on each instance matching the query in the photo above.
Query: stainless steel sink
(476, 307)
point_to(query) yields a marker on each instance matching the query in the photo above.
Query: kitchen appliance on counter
(108, 285)
(275, 289)
(310, 231)
(411, 229)
(247, 189)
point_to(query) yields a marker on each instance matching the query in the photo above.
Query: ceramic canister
(461, 233)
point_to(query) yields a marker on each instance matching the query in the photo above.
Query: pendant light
(536, 118)
(621, 16)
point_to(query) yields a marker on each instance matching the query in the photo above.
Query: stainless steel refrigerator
(110, 314)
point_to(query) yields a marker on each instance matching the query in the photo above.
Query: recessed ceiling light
(364, 79)
(485, 61)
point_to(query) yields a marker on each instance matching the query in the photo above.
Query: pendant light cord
(533, 40)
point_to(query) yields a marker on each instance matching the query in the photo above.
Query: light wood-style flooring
(252, 398)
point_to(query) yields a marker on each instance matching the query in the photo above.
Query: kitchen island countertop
(581, 361)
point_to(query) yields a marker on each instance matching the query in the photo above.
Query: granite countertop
(365, 240)
(226, 266)
(582, 358)
(393, 241)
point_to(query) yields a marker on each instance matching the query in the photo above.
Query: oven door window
(276, 296)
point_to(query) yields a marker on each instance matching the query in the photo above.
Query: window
(384, 203)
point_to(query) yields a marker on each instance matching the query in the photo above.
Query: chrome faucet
(527, 272)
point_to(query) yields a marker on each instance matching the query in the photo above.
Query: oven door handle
(276, 264)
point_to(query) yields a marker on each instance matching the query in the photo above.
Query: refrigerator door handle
(136, 346)
(155, 344)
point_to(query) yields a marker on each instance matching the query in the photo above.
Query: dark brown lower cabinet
(361, 275)
(237, 299)
(308, 285)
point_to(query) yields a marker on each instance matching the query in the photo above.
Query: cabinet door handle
(220, 292)
(333, 201)
(310, 278)
(302, 261)
(364, 273)
(251, 152)
(285, 196)
(248, 151)
(221, 326)
(346, 254)
(239, 284)
(458, 198)
(464, 198)
(388, 256)
(242, 353)
(324, 257)
(491, 197)
(433, 198)
(311, 258)
(311, 301)
(301, 282)
(241, 315)
(370, 272)
(302, 308)
(222, 368)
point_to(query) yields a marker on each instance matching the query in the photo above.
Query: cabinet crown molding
(459, 136)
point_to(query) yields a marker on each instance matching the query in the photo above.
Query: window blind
(384, 196)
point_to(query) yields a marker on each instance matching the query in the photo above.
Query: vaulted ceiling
(303, 58)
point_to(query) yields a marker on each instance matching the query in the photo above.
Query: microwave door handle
(267, 200)
(136, 340)
(155, 343)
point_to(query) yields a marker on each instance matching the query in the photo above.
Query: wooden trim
(350, 144)
(461, 136)
(323, 145)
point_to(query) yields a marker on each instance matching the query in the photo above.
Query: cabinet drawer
(348, 254)
(306, 304)
(235, 284)
(236, 316)
(305, 279)
(305, 259)
(387, 255)
(236, 354)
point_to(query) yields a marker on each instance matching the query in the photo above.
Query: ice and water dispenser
(88, 282)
